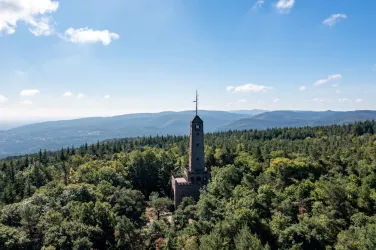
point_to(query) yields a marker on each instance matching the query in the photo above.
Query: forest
(288, 188)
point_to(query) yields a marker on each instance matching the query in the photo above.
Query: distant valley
(54, 135)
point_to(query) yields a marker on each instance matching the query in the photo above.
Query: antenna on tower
(196, 101)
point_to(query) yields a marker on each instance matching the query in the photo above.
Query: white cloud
(86, 35)
(330, 78)
(343, 100)
(3, 99)
(338, 91)
(32, 12)
(317, 100)
(80, 96)
(107, 97)
(42, 27)
(336, 85)
(276, 100)
(261, 102)
(302, 88)
(284, 5)
(248, 88)
(242, 101)
(334, 19)
(68, 94)
(230, 88)
(29, 92)
(258, 4)
(27, 102)
(359, 100)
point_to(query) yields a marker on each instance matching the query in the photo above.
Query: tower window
(198, 134)
(197, 126)
(197, 144)
(197, 159)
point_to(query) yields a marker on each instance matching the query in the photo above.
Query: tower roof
(196, 119)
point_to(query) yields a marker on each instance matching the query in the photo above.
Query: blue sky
(62, 59)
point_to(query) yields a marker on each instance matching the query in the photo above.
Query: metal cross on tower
(196, 101)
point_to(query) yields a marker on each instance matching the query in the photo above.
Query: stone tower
(196, 145)
(195, 176)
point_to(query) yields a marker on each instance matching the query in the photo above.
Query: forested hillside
(280, 119)
(54, 135)
(291, 188)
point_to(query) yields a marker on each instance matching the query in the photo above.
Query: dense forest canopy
(291, 188)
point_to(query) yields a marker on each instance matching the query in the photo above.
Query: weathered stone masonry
(195, 176)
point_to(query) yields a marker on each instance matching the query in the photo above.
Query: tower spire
(196, 101)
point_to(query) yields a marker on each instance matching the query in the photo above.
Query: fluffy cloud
(334, 19)
(258, 4)
(27, 102)
(68, 94)
(242, 101)
(302, 88)
(79, 96)
(230, 88)
(32, 12)
(359, 100)
(284, 5)
(330, 78)
(107, 97)
(276, 100)
(248, 88)
(36, 14)
(86, 35)
(29, 92)
(42, 27)
(3, 99)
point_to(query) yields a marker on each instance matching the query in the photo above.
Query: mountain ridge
(276, 119)
(56, 134)
(53, 135)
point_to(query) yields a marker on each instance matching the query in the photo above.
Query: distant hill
(57, 134)
(54, 135)
(277, 119)
(251, 112)
(5, 125)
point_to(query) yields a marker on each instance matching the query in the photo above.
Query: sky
(68, 59)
